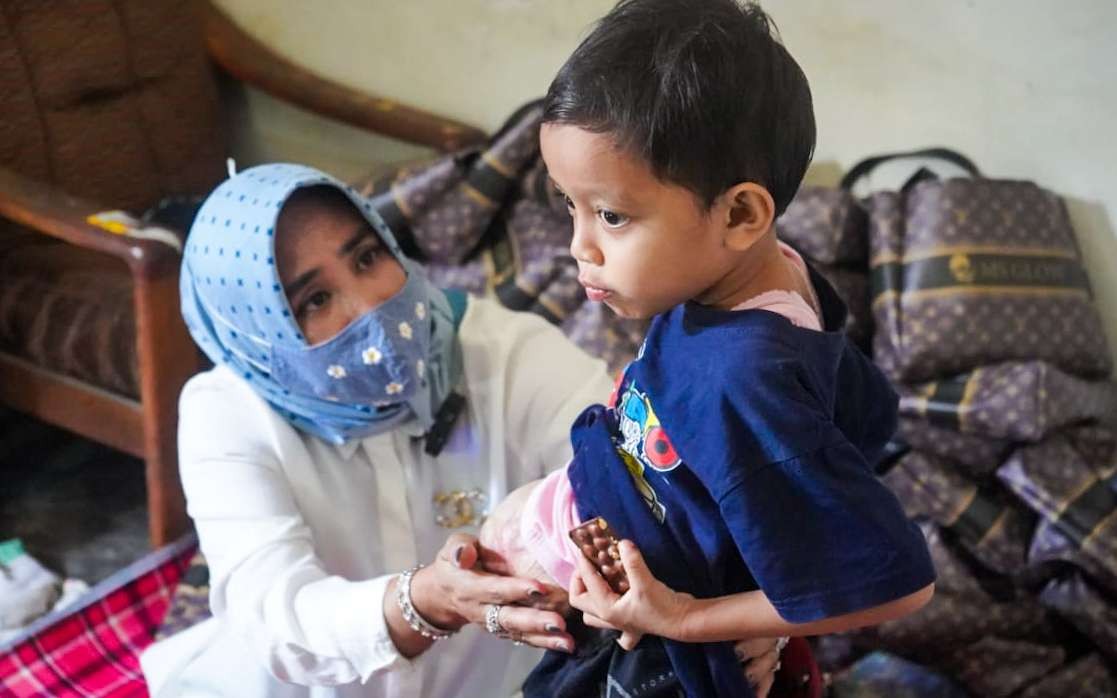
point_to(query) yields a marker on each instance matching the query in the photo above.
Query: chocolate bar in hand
(596, 541)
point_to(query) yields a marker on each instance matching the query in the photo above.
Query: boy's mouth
(594, 293)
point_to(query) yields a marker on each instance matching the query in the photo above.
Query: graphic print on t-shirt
(642, 443)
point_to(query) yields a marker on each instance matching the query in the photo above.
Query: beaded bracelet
(416, 621)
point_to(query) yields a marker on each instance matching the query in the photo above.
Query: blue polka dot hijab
(394, 365)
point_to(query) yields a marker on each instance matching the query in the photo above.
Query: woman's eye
(611, 219)
(314, 302)
(367, 257)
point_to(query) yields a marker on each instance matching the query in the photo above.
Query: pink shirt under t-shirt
(550, 511)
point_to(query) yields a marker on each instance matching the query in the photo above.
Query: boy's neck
(761, 268)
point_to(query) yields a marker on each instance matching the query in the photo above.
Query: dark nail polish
(552, 628)
(535, 594)
(458, 555)
(561, 647)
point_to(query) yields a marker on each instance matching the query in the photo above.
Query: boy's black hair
(700, 89)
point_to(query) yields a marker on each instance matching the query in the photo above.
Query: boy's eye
(612, 219)
(566, 200)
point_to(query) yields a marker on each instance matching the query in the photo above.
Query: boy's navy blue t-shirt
(739, 455)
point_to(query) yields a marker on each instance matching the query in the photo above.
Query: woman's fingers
(549, 642)
(459, 589)
(756, 669)
(529, 620)
(482, 590)
(540, 628)
(460, 550)
(747, 649)
(762, 689)
(554, 599)
(494, 562)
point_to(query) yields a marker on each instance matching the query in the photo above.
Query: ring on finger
(492, 619)
(518, 639)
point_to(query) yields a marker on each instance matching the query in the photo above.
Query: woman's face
(333, 266)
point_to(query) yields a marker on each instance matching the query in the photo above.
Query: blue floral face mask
(380, 359)
(396, 364)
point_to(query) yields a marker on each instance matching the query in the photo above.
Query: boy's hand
(649, 605)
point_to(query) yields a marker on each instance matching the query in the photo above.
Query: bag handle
(869, 164)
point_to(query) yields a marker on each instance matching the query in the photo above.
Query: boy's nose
(582, 247)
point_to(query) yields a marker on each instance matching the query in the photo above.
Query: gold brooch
(459, 508)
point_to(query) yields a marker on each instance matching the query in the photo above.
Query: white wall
(1027, 88)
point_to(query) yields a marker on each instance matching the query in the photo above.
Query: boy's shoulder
(754, 383)
(728, 378)
(733, 347)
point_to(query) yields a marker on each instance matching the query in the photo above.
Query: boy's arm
(652, 607)
(750, 614)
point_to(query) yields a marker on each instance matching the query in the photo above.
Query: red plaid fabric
(95, 652)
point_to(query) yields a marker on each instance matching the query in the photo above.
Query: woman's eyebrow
(298, 284)
(306, 277)
(363, 232)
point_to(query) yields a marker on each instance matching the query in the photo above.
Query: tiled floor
(77, 506)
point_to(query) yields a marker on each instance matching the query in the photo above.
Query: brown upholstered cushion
(112, 100)
(67, 309)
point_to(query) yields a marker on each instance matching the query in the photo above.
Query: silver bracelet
(416, 621)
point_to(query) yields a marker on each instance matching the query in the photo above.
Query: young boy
(739, 447)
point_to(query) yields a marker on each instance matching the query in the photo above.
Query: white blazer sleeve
(308, 626)
(548, 381)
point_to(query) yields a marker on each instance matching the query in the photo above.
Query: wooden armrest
(39, 206)
(250, 61)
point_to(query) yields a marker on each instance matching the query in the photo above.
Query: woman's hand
(649, 605)
(760, 660)
(454, 590)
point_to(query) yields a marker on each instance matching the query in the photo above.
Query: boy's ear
(749, 214)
